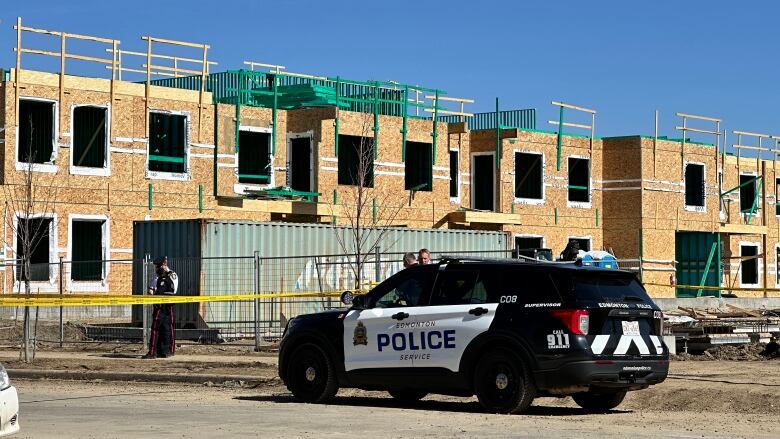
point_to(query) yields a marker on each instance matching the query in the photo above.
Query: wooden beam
(253, 64)
(111, 99)
(174, 58)
(174, 69)
(453, 113)
(67, 55)
(742, 229)
(17, 71)
(696, 130)
(128, 69)
(694, 116)
(62, 86)
(451, 99)
(754, 148)
(147, 88)
(570, 124)
(748, 133)
(467, 216)
(574, 107)
(175, 42)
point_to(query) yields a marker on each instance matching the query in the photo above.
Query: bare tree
(29, 205)
(369, 210)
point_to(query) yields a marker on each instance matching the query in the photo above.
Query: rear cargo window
(600, 288)
(526, 284)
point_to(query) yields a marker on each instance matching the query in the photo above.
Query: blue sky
(624, 59)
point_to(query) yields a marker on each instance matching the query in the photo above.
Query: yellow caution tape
(125, 299)
(710, 288)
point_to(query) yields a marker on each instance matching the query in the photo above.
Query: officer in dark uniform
(162, 342)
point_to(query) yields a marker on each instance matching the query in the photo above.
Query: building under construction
(161, 136)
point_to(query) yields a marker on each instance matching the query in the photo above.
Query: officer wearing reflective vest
(162, 342)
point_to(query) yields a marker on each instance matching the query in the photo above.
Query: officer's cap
(160, 260)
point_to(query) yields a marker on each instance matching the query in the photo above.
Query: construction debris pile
(733, 333)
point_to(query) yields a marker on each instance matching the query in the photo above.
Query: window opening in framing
(36, 131)
(356, 159)
(777, 192)
(579, 180)
(454, 174)
(694, 185)
(483, 182)
(528, 176)
(33, 235)
(167, 143)
(526, 242)
(300, 164)
(777, 265)
(749, 269)
(584, 243)
(254, 157)
(747, 193)
(418, 172)
(87, 250)
(89, 137)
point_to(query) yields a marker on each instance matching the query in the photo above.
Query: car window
(413, 288)
(457, 287)
(529, 284)
(605, 287)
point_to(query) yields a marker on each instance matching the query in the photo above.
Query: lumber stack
(698, 329)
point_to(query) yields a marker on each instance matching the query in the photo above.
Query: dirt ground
(700, 399)
(715, 386)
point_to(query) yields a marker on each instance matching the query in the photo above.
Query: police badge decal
(360, 336)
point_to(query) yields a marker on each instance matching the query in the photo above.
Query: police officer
(162, 342)
(409, 260)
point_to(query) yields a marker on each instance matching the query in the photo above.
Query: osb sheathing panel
(661, 278)
(4, 143)
(581, 219)
(462, 143)
(732, 268)
(226, 142)
(556, 238)
(427, 208)
(104, 86)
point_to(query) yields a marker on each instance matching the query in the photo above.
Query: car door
(379, 336)
(458, 312)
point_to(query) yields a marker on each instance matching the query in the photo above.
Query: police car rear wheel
(502, 383)
(599, 402)
(407, 395)
(312, 377)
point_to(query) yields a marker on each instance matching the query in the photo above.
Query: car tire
(502, 382)
(311, 376)
(599, 402)
(407, 396)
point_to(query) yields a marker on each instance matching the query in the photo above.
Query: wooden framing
(62, 55)
(560, 124)
(685, 128)
(461, 101)
(203, 72)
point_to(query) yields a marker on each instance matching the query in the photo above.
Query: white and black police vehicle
(505, 330)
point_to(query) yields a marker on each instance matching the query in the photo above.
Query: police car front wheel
(599, 402)
(502, 382)
(311, 376)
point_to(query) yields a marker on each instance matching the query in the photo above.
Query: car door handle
(478, 311)
(400, 315)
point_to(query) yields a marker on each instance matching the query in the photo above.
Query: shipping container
(292, 257)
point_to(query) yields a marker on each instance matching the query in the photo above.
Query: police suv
(505, 330)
